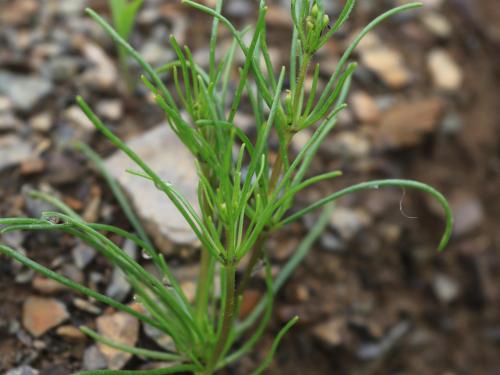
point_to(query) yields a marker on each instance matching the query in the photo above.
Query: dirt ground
(376, 299)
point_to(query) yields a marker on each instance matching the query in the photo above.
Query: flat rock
(42, 314)
(25, 92)
(122, 328)
(170, 159)
(13, 150)
(446, 74)
(23, 370)
(406, 124)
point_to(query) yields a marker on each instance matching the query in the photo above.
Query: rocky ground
(373, 296)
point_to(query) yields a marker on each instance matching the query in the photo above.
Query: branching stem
(227, 321)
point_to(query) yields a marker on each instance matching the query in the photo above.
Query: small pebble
(445, 288)
(446, 73)
(93, 359)
(70, 333)
(42, 314)
(47, 286)
(365, 107)
(122, 328)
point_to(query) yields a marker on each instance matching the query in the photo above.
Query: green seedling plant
(246, 188)
(123, 14)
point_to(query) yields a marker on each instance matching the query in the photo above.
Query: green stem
(256, 255)
(297, 95)
(227, 321)
(125, 72)
(203, 286)
(278, 165)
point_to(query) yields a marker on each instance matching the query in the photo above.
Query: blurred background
(373, 296)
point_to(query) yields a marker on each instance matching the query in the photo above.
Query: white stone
(446, 74)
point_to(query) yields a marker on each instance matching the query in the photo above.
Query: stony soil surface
(373, 295)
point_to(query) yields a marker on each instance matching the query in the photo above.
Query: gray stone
(93, 359)
(83, 254)
(61, 68)
(13, 239)
(119, 286)
(156, 53)
(25, 92)
(452, 124)
(81, 126)
(371, 351)
(23, 370)
(348, 222)
(71, 8)
(170, 159)
(13, 150)
(331, 242)
(347, 145)
(8, 121)
(159, 337)
(467, 211)
(239, 8)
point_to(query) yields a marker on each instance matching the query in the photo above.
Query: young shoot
(246, 189)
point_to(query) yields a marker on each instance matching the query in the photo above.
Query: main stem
(203, 285)
(227, 321)
(232, 293)
(277, 167)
